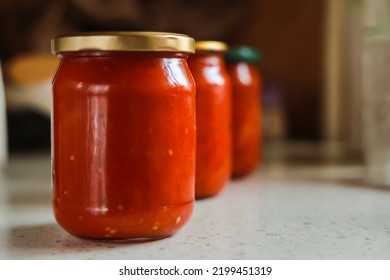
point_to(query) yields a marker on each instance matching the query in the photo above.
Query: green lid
(242, 54)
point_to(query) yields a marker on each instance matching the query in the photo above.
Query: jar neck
(209, 58)
(124, 54)
(242, 64)
(235, 63)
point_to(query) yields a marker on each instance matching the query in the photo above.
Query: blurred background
(312, 66)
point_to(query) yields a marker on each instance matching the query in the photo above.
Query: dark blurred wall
(29, 24)
(289, 34)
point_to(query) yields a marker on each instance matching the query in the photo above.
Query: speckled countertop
(321, 212)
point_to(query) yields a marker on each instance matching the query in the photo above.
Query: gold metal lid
(214, 46)
(124, 41)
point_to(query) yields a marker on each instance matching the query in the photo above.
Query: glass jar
(246, 91)
(124, 135)
(213, 118)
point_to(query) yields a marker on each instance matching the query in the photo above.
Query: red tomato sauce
(246, 90)
(213, 117)
(124, 136)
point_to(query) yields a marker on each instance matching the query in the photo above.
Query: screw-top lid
(242, 54)
(213, 46)
(124, 41)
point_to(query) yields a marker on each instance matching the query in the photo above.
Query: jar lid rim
(216, 46)
(123, 41)
(243, 54)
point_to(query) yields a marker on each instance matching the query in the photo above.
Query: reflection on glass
(175, 72)
(244, 74)
(213, 75)
(97, 125)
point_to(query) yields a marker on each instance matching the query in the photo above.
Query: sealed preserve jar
(123, 132)
(213, 114)
(246, 92)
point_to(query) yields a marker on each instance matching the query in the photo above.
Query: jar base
(144, 225)
(125, 240)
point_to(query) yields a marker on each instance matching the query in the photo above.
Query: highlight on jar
(213, 116)
(246, 108)
(123, 146)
